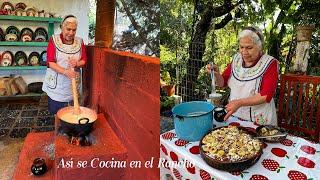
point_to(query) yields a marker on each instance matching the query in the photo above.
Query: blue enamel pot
(192, 120)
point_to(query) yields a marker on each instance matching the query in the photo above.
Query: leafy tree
(143, 32)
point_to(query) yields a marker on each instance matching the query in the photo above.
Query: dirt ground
(9, 153)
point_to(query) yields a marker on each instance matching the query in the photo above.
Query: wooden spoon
(75, 96)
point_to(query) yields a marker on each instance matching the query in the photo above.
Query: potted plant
(168, 70)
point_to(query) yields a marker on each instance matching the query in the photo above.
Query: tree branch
(223, 22)
(136, 26)
(219, 11)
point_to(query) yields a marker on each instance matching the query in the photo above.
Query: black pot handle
(180, 117)
(84, 119)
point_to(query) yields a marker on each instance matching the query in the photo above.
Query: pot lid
(34, 59)
(43, 58)
(6, 59)
(21, 6)
(40, 34)
(7, 6)
(20, 58)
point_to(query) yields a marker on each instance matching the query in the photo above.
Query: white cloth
(246, 82)
(294, 155)
(58, 86)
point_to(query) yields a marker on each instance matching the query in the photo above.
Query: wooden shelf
(19, 43)
(23, 95)
(28, 18)
(23, 68)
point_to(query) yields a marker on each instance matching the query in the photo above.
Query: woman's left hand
(232, 107)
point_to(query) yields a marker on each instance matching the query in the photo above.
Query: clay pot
(38, 167)
(219, 113)
(304, 33)
(169, 89)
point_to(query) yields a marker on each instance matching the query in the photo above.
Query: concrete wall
(79, 8)
(125, 87)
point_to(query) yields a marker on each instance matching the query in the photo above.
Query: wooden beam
(104, 23)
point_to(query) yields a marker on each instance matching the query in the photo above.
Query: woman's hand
(215, 68)
(218, 77)
(70, 73)
(232, 107)
(72, 62)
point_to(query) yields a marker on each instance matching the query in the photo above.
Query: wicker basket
(231, 166)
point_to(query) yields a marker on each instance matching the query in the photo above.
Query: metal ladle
(214, 95)
(272, 136)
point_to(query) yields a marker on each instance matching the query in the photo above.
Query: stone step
(107, 147)
(36, 145)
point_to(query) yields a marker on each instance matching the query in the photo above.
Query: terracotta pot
(304, 32)
(170, 89)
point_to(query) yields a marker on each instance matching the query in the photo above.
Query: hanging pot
(31, 12)
(8, 7)
(76, 121)
(7, 59)
(19, 12)
(26, 35)
(12, 33)
(43, 58)
(21, 6)
(20, 59)
(34, 59)
(40, 35)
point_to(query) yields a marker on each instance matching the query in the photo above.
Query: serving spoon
(272, 136)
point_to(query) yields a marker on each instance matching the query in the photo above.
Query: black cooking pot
(76, 127)
(83, 127)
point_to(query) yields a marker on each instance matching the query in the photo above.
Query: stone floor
(17, 119)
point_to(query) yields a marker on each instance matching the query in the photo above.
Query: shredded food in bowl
(230, 144)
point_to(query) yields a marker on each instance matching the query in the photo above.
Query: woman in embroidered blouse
(252, 77)
(65, 55)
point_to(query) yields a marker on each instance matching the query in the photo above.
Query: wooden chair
(299, 106)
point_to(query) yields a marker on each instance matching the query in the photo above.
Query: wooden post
(104, 23)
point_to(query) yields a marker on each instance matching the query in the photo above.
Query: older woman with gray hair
(252, 77)
(65, 55)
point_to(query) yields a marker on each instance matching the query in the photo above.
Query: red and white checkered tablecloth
(293, 158)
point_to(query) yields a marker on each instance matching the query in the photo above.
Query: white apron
(56, 85)
(246, 82)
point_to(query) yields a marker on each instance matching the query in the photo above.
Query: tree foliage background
(181, 20)
(136, 26)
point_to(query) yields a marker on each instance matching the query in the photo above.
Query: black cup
(38, 167)
(219, 113)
